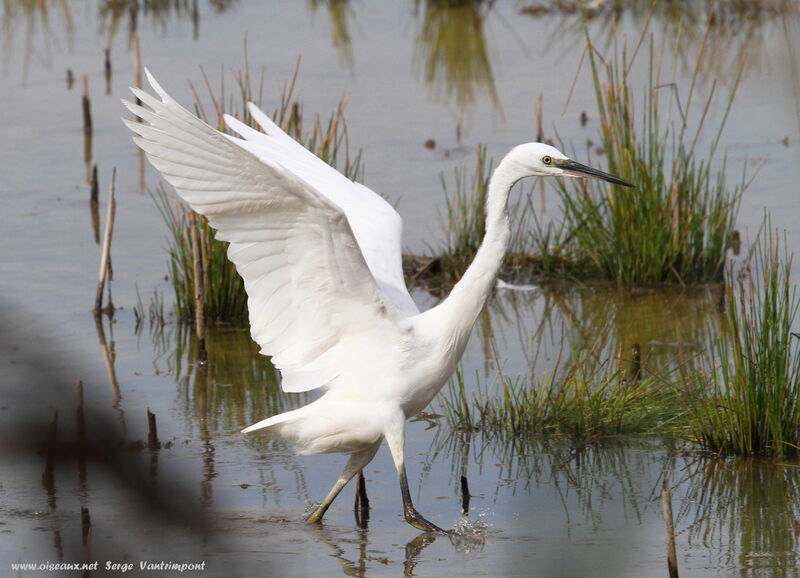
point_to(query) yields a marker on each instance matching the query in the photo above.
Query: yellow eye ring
(547, 160)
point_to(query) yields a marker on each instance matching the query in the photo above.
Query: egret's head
(537, 159)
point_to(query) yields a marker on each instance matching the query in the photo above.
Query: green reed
(225, 297)
(675, 227)
(465, 201)
(748, 403)
(589, 400)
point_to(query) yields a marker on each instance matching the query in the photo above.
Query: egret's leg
(361, 507)
(353, 466)
(395, 438)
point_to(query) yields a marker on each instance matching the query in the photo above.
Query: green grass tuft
(749, 402)
(676, 226)
(590, 400)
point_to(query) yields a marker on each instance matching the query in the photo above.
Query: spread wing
(376, 225)
(305, 273)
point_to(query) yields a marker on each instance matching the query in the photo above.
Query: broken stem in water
(666, 504)
(105, 254)
(199, 289)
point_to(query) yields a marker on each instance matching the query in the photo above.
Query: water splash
(310, 507)
(470, 535)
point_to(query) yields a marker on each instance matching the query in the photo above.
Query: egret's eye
(547, 161)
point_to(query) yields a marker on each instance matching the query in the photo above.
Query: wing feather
(307, 280)
(376, 225)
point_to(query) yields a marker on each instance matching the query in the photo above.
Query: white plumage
(321, 260)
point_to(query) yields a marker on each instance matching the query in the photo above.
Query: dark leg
(361, 507)
(395, 438)
(412, 516)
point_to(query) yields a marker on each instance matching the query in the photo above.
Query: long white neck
(457, 313)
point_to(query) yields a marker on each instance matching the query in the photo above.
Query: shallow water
(548, 507)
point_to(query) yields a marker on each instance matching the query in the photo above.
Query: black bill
(578, 170)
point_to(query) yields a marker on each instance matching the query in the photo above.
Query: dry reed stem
(105, 255)
(666, 504)
(199, 289)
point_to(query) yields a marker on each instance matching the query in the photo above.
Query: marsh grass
(589, 400)
(528, 255)
(225, 297)
(675, 227)
(748, 403)
(466, 202)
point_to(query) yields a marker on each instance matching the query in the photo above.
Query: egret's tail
(275, 420)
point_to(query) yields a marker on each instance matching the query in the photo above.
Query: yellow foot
(415, 519)
(315, 517)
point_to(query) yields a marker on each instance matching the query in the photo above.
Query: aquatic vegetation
(675, 228)
(466, 207)
(677, 225)
(529, 254)
(225, 298)
(748, 403)
(589, 400)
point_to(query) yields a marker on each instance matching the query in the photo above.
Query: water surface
(546, 507)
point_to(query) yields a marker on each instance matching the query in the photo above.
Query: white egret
(321, 260)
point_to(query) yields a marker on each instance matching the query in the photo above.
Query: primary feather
(319, 254)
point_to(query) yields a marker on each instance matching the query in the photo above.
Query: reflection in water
(88, 130)
(358, 559)
(413, 550)
(42, 38)
(235, 388)
(107, 74)
(339, 12)
(108, 352)
(48, 481)
(583, 478)
(45, 20)
(745, 513)
(740, 513)
(202, 415)
(451, 50)
(114, 14)
(92, 479)
(737, 513)
(338, 544)
(668, 326)
(716, 36)
(712, 36)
